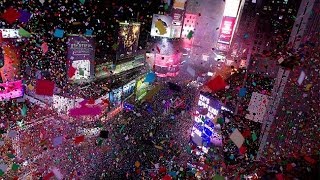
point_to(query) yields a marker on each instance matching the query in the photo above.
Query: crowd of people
(152, 140)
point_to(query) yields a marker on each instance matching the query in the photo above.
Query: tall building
(276, 19)
(287, 113)
(257, 41)
(265, 25)
(307, 21)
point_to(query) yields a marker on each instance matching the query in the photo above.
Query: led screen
(11, 90)
(161, 25)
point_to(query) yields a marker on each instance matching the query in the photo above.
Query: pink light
(226, 27)
(11, 90)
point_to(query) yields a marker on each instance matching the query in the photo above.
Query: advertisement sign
(205, 131)
(231, 8)
(116, 96)
(177, 22)
(128, 39)
(128, 89)
(167, 65)
(161, 26)
(226, 30)
(9, 62)
(82, 69)
(11, 90)
(81, 49)
(141, 89)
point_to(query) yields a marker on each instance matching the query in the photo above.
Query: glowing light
(164, 40)
(231, 8)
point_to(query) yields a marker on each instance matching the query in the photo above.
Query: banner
(161, 26)
(81, 54)
(128, 39)
(226, 30)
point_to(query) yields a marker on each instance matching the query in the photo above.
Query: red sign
(226, 30)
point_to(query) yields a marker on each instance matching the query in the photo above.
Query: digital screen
(231, 8)
(11, 90)
(179, 4)
(128, 39)
(167, 65)
(226, 30)
(205, 132)
(82, 69)
(161, 25)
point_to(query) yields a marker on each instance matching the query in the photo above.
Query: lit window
(285, 2)
(265, 8)
(289, 10)
(280, 17)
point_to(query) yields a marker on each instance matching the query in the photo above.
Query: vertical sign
(177, 22)
(128, 39)
(81, 53)
(226, 31)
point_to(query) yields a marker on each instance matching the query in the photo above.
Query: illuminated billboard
(136, 61)
(231, 8)
(161, 26)
(226, 30)
(82, 69)
(10, 90)
(167, 65)
(206, 131)
(177, 22)
(128, 39)
(81, 53)
(9, 62)
(103, 70)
